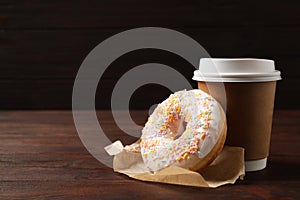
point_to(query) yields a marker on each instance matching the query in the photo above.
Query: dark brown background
(43, 42)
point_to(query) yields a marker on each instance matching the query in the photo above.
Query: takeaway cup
(245, 88)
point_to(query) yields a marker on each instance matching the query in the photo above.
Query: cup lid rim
(238, 59)
(237, 77)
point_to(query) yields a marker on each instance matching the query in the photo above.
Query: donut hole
(178, 128)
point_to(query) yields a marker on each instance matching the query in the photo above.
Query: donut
(188, 130)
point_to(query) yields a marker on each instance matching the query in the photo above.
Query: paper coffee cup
(246, 90)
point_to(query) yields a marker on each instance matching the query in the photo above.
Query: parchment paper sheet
(226, 169)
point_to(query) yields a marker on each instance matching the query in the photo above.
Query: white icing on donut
(183, 126)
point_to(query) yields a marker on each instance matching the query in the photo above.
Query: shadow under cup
(249, 106)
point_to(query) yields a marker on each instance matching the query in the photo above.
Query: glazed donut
(188, 130)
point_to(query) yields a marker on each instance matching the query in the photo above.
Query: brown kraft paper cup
(249, 110)
(245, 87)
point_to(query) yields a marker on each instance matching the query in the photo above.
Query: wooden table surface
(42, 157)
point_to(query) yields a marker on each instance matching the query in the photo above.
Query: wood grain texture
(41, 157)
(43, 43)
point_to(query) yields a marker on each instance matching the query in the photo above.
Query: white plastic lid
(236, 70)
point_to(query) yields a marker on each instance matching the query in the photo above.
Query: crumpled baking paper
(226, 168)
